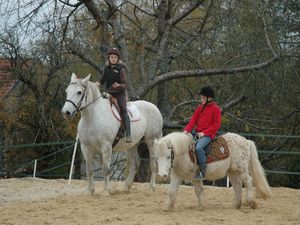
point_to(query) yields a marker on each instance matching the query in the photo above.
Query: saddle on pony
(216, 150)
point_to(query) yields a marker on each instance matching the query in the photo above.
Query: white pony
(242, 167)
(98, 128)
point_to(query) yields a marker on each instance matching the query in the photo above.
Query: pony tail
(258, 174)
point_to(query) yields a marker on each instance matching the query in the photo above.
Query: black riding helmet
(207, 92)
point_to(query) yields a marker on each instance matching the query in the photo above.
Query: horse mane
(181, 142)
(94, 89)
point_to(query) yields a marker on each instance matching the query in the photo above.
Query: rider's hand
(200, 134)
(115, 85)
(185, 132)
(97, 83)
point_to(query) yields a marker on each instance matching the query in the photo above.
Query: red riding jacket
(208, 121)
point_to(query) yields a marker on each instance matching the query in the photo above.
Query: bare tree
(161, 41)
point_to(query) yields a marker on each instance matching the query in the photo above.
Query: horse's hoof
(238, 205)
(126, 189)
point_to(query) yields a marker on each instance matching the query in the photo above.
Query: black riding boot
(201, 175)
(127, 128)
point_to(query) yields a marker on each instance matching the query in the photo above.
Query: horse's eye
(79, 92)
(169, 157)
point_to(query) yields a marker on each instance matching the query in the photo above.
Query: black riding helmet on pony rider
(207, 92)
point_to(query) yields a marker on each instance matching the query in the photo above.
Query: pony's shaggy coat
(242, 167)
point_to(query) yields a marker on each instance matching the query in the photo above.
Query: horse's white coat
(98, 128)
(242, 167)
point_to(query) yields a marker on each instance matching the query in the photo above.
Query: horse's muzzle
(66, 114)
(162, 177)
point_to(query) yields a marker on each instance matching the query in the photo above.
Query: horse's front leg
(89, 166)
(106, 156)
(173, 189)
(134, 163)
(153, 163)
(198, 188)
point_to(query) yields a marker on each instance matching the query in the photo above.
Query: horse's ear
(73, 77)
(85, 80)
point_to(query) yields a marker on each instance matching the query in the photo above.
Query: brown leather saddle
(215, 151)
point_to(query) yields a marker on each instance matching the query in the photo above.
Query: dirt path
(39, 201)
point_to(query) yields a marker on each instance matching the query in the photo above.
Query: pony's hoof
(201, 208)
(90, 192)
(253, 205)
(167, 209)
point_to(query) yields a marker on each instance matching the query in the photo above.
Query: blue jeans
(201, 144)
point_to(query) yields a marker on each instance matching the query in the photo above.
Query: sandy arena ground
(41, 201)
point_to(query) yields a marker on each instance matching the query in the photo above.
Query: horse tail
(258, 174)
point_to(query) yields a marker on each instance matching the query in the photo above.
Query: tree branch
(75, 51)
(266, 32)
(200, 73)
(233, 103)
(185, 13)
(94, 10)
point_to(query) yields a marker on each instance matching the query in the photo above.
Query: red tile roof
(7, 79)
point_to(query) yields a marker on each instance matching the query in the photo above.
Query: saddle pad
(218, 151)
(133, 112)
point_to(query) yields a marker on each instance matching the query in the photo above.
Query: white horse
(98, 128)
(242, 167)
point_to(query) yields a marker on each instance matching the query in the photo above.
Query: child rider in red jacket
(206, 121)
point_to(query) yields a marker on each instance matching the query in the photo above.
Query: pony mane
(181, 141)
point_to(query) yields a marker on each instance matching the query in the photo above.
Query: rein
(90, 103)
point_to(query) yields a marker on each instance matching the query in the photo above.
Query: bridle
(84, 96)
(77, 107)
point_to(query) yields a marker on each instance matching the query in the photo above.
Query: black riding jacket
(114, 74)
